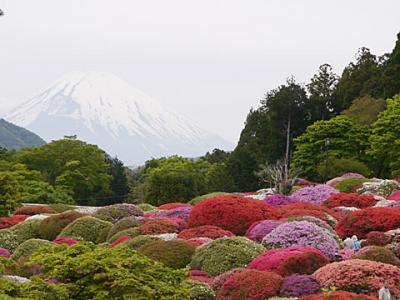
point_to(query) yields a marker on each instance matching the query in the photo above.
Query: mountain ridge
(16, 137)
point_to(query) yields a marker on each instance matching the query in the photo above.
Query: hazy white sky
(211, 60)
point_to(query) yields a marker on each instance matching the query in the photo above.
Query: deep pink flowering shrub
(395, 196)
(65, 240)
(307, 209)
(179, 212)
(5, 253)
(302, 234)
(297, 285)
(250, 284)
(287, 261)
(209, 231)
(279, 199)
(219, 280)
(357, 274)
(314, 194)
(259, 229)
(346, 253)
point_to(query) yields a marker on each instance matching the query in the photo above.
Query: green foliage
(339, 166)
(349, 185)
(132, 232)
(346, 140)
(71, 163)
(217, 156)
(51, 227)
(384, 140)
(119, 183)
(11, 237)
(10, 197)
(146, 207)
(15, 137)
(219, 179)
(200, 290)
(8, 239)
(88, 229)
(225, 254)
(139, 241)
(175, 254)
(60, 207)
(198, 199)
(97, 272)
(125, 223)
(365, 110)
(28, 247)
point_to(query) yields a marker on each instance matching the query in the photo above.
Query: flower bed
(209, 231)
(350, 200)
(297, 285)
(158, 226)
(314, 194)
(260, 229)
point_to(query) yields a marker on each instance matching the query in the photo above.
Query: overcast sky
(211, 60)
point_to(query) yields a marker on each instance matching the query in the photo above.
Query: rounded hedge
(361, 222)
(34, 210)
(338, 295)
(224, 254)
(250, 284)
(131, 232)
(114, 213)
(28, 247)
(288, 261)
(139, 241)
(146, 207)
(258, 230)
(350, 200)
(314, 194)
(308, 209)
(175, 254)
(158, 226)
(199, 290)
(230, 212)
(27, 230)
(355, 275)
(60, 207)
(51, 227)
(125, 223)
(298, 285)
(349, 185)
(198, 199)
(88, 229)
(209, 231)
(377, 253)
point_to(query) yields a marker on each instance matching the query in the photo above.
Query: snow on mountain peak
(103, 109)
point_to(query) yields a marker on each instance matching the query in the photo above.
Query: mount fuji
(104, 110)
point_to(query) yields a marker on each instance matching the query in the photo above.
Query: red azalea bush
(250, 284)
(34, 210)
(338, 295)
(158, 226)
(200, 276)
(219, 280)
(197, 242)
(287, 261)
(120, 240)
(307, 209)
(361, 222)
(65, 240)
(173, 205)
(350, 200)
(377, 238)
(10, 221)
(209, 231)
(230, 212)
(356, 274)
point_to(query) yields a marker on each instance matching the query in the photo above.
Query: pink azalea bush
(302, 234)
(65, 240)
(258, 230)
(5, 253)
(279, 199)
(314, 194)
(297, 285)
(352, 175)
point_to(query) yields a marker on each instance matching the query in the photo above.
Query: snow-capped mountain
(105, 110)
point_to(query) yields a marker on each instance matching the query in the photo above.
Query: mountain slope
(103, 109)
(15, 137)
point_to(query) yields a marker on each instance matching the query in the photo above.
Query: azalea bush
(138, 241)
(28, 247)
(230, 212)
(218, 281)
(210, 231)
(11, 237)
(7, 222)
(303, 234)
(314, 194)
(377, 253)
(124, 223)
(173, 205)
(34, 210)
(87, 229)
(279, 199)
(175, 254)
(258, 230)
(65, 240)
(199, 290)
(379, 187)
(250, 284)
(356, 275)
(377, 238)
(350, 185)
(308, 209)
(287, 261)
(224, 254)
(361, 222)
(337, 295)
(158, 226)
(297, 285)
(350, 200)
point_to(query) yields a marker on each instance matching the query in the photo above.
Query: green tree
(217, 156)
(218, 179)
(9, 195)
(385, 140)
(391, 72)
(365, 110)
(321, 91)
(71, 163)
(339, 137)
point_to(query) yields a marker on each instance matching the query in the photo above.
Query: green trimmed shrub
(123, 224)
(339, 166)
(97, 272)
(59, 207)
(199, 290)
(198, 199)
(51, 227)
(146, 207)
(8, 239)
(175, 254)
(224, 254)
(28, 247)
(87, 229)
(114, 213)
(132, 232)
(350, 185)
(27, 230)
(139, 241)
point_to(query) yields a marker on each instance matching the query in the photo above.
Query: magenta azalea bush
(5, 253)
(352, 175)
(279, 199)
(179, 213)
(302, 233)
(65, 240)
(258, 230)
(297, 285)
(314, 194)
